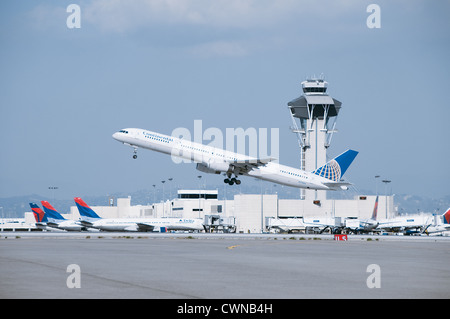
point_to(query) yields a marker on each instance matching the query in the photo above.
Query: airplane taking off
(216, 161)
(92, 220)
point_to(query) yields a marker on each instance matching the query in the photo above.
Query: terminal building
(245, 213)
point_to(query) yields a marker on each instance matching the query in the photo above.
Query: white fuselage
(219, 160)
(135, 224)
(437, 228)
(67, 224)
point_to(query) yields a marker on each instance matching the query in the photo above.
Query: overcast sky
(161, 64)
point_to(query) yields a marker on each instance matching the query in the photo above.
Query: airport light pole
(376, 184)
(154, 194)
(262, 207)
(53, 188)
(170, 198)
(163, 197)
(170, 179)
(199, 194)
(386, 181)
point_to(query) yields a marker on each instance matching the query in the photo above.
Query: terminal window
(196, 196)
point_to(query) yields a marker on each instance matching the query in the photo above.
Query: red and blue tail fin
(446, 216)
(50, 211)
(375, 209)
(38, 213)
(84, 209)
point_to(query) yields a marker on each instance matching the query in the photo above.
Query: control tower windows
(314, 89)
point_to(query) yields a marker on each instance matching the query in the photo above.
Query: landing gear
(135, 153)
(232, 181)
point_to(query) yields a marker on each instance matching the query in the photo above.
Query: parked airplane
(56, 220)
(216, 161)
(442, 225)
(370, 224)
(408, 225)
(89, 218)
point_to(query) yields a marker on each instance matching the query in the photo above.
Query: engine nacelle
(213, 168)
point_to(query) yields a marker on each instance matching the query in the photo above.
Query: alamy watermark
(374, 19)
(74, 19)
(374, 279)
(74, 279)
(251, 142)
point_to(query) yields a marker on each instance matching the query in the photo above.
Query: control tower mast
(314, 116)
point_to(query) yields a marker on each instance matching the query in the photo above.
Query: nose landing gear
(135, 153)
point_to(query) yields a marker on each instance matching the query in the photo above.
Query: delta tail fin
(50, 211)
(84, 209)
(375, 209)
(38, 213)
(447, 216)
(336, 168)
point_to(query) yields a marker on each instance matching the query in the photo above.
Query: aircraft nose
(116, 136)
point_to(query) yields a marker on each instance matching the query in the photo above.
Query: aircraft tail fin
(84, 209)
(447, 216)
(336, 168)
(50, 211)
(38, 213)
(375, 209)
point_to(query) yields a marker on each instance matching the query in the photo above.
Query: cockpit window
(123, 131)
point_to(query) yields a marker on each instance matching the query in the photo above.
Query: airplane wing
(145, 226)
(52, 224)
(41, 225)
(85, 223)
(245, 166)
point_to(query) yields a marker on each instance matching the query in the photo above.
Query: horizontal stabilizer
(338, 185)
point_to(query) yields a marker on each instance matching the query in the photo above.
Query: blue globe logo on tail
(336, 168)
(331, 170)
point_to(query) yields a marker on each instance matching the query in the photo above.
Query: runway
(222, 266)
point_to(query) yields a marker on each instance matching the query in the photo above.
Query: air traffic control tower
(314, 116)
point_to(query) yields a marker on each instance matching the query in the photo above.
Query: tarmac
(221, 266)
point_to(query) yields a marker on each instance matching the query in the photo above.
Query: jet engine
(213, 168)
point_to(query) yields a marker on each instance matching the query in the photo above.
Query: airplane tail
(50, 211)
(447, 216)
(336, 168)
(84, 209)
(375, 209)
(38, 213)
